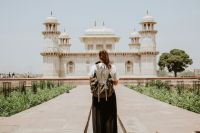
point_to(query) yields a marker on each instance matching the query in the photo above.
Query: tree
(175, 61)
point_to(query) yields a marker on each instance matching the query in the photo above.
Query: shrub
(181, 97)
(42, 84)
(159, 84)
(22, 87)
(18, 102)
(34, 87)
(49, 84)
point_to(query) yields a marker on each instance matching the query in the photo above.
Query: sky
(21, 40)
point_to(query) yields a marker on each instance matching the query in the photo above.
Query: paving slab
(143, 114)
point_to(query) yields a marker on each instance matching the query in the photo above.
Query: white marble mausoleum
(139, 61)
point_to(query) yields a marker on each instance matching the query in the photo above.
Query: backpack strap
(98, 87)
(98, 62)
(95, 76)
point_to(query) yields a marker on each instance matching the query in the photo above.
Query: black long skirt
(104, 115)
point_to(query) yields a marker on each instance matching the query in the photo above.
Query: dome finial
(51, 13)
(147, 12)
(103, 23)
(64, 29)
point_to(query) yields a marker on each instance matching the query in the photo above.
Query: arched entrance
(70, 67)
(128, 68)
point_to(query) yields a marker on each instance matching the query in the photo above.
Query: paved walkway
(142, 114)
(68, 113)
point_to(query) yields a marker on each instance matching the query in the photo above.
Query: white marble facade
(139, 61)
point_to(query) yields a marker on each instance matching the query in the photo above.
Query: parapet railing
(85, 80)
(170, 80)
(10, 84)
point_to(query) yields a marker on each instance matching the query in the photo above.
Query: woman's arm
(114, 75)
(115, 82)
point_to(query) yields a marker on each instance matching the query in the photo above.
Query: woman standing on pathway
(104, 110)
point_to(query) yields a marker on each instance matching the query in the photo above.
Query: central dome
(99, 31)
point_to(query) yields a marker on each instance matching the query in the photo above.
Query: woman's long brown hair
(103, 55)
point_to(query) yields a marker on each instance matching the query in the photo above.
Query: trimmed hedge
(18, 102)
(186, 98)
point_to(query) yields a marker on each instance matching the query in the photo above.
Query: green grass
(18, 102)
(187, 98)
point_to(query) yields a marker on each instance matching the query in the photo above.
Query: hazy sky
(21, 41)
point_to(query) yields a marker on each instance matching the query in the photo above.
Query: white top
(99, 31)
(147, 18)
(63, 35)
(51, 20)
(113, 70)
(135, 34)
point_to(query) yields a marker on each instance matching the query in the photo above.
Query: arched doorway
(129, 68)
(70, 67)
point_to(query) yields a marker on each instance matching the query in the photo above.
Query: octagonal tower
(50, 53)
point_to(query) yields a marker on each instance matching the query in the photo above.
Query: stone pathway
(91, 131)
(142, 114)
(68, 113)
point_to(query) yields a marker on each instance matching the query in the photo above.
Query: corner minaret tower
(134, 45)
(50, 51)
(64, 48)
(64, 44)
(148, 53)
(51, 34)
(148, 33)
